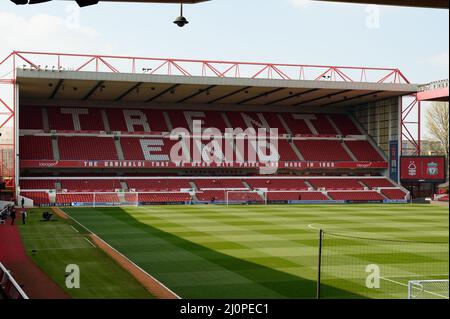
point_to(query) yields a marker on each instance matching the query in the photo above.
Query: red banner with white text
(151, 164)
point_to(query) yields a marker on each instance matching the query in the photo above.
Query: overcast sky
(284, 31)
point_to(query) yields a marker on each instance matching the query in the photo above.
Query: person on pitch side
(13, 215)
(24, 216)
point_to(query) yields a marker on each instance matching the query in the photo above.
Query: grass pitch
(54, 245)
(272, 251)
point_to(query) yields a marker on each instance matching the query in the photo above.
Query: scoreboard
(423, 168)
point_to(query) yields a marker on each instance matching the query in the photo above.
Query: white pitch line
(418, 276)
(123, 256)
(90, 242)
(76, 230)
(405, 285)
(311, 226)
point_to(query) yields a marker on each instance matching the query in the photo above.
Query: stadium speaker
(85, 3)
(181, 21)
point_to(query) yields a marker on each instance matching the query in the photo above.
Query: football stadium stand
(70, 137)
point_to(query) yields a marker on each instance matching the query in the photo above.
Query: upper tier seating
(345, 124)
(87, 148)
(136, 120)
(35, 148)
(75, 119)
(322, 150)
(31, 118)
(140, 121)
(149, 120)
(364, 151)
(255, 120)
(157, 149)
(319, 124)
(209, 119)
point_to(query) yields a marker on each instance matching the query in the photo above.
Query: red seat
(39, 198)
(394, 193)
(87, 148)
(377, 182)
(322, 150)
(74, 198)
(296, 196)
(35, 148)
(364, 151)
(356, 196)
(278, 184)
(156, 185)
(336, 184)
(345, 124)
(37, 184)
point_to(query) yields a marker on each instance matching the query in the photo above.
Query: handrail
(6, 280)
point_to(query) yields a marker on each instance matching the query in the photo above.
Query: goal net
(428, 289)
(245, 197)
(121, 198)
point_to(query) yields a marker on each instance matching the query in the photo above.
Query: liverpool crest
(432, 169)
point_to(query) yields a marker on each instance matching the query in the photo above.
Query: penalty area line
(406, 285)
(76, 230)
(90, 243)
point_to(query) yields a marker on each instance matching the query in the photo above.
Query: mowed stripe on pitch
(206, 251)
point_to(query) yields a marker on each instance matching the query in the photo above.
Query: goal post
(107, 199)
(428, 289)
(245, 197)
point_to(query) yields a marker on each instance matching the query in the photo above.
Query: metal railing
(9, 285)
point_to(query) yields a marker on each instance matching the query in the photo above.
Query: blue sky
(294, 31)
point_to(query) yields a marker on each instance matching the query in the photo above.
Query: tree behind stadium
(437, 124)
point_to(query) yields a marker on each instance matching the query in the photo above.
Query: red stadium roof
(139, 79)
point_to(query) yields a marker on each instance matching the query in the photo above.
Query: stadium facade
(110, 130)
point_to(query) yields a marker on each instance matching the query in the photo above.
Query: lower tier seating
(90, 185)
(356, 196)
(39, 198)
(162, 197)
(37, 184)
(74, 198)
(393, 193)
(336, 184)
(165, 190)
(295, 196)
(221, 196)
(156, 185)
